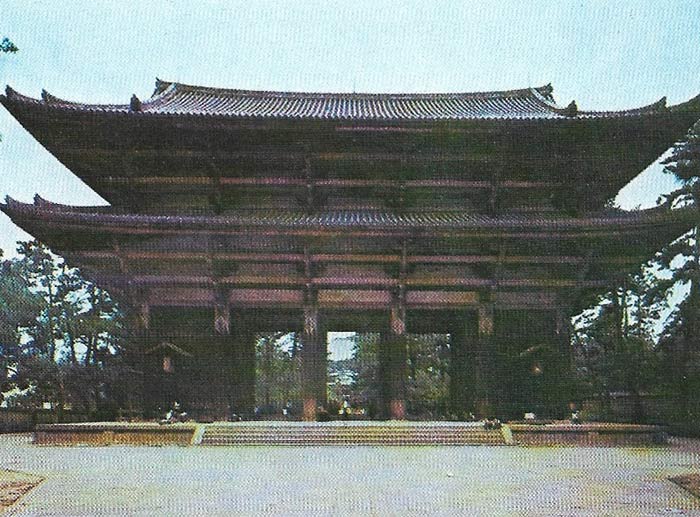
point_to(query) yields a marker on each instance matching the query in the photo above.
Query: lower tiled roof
(56, 213)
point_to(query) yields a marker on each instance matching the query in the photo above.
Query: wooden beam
(273, 154)
(184, 182)
(381, 232)
(356, 257)
(358, 281)
(348, 299)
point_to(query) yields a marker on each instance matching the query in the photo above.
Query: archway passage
(356, 382)
(429, 370)
(532, 353)
(428, 377)
(353, 388)
(278, 391)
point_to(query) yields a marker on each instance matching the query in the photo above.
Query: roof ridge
(163, 86)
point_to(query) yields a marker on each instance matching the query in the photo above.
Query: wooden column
(141, 336)
(218, 356)
(392, 362)
(483, 382)
(217, 359)
(463, 337)
(237, 359)
(222, 319)
(314, 361)
(241, 388)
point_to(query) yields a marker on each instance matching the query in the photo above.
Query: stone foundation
(114, 434)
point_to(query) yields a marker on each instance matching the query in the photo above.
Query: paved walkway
(473, 481)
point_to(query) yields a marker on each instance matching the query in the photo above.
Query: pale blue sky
(606, 55)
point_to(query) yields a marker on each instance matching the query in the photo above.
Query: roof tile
(43, 210)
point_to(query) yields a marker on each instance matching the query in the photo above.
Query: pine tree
(615, 347)
(680, 260)
(61, 335)
(7, 46)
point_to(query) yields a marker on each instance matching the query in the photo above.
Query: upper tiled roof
(179, 99)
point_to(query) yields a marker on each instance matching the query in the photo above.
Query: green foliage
(428, 380)
(18, 304)
(680, 340)
(615, 347)
(277, 371)
(684, 164)
(7, 46)
(61, 334)
(365, 364)
(618, 347)
(427, 367)
(643, 338)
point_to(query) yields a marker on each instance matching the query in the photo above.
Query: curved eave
(47, 215)
(184, 101)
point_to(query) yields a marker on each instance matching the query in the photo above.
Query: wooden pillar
(141, 335)
(463, 337)
(238, 361)
(392, 362)
(216, 359)
(314, 361)
(483, 382)
(222, 319)
(241, 361)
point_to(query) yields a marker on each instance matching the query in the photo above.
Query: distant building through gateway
(479, 215)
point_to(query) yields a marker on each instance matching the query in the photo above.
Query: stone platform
(272, 433)
(347, 434)
(115, 433)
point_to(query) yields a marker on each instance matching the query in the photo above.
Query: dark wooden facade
(235, 211)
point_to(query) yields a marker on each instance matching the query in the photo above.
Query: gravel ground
(473, 481)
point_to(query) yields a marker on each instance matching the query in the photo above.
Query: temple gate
(481, 215)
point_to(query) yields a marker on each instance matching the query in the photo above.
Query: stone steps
(310, 434)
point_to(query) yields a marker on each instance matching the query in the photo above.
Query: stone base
(349, 433)
(114, 433)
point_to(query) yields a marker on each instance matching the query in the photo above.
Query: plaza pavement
(317, 481)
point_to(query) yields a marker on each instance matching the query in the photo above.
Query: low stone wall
(114, 434)
(593, 434)
(16, 420)
(547, 435)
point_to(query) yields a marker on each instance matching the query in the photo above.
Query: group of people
(174, 414)
(492, 423)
